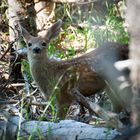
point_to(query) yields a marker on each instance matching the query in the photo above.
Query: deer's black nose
(36, 50)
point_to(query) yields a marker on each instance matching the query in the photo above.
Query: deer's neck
(39, 72)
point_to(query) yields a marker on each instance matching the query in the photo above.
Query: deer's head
(37, 46)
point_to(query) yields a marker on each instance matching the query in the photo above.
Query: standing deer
(46, 72)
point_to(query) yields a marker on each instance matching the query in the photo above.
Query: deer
(47, 71)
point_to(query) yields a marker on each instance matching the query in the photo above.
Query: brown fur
(45, 71)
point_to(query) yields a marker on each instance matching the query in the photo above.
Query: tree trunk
(133, 8)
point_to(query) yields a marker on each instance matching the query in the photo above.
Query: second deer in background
(90, 67)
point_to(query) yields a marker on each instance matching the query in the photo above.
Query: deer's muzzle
(36, 50)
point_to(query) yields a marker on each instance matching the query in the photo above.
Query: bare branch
(110, 118)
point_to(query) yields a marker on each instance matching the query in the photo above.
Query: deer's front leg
(64, 101)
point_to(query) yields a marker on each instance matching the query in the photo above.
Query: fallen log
(15, 127)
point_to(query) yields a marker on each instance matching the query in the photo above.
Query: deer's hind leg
(115, 100)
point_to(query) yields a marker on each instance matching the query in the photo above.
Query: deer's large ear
(25, 34)
(53, 31)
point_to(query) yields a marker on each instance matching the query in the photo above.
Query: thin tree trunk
(133, 9)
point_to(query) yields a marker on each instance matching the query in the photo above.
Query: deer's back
(89, 66)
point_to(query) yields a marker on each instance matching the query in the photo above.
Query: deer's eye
(29, 44)
(43, 44)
